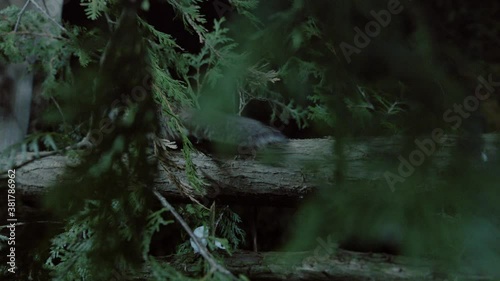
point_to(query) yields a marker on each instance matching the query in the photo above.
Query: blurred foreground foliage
(287, 55)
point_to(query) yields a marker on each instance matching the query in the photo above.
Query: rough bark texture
(333, 264)
(295, 171)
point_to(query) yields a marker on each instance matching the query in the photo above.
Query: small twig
(47, 15)
(110, 22)
(59, 109)
(220, 217)
(84, 143)
(45, 6)
(196, 29)
(202, 249)
(32, 159)
(20, 15)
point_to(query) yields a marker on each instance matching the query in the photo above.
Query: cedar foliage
(285, 53)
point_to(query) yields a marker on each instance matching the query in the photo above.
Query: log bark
(328, 265)
(295, 171)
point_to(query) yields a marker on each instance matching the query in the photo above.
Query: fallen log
(329, 264)
(295, 171)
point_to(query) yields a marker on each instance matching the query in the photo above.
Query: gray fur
(223, 128)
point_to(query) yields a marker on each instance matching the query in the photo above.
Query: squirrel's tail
(224, 128)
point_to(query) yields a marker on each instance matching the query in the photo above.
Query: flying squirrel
(221, 128)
